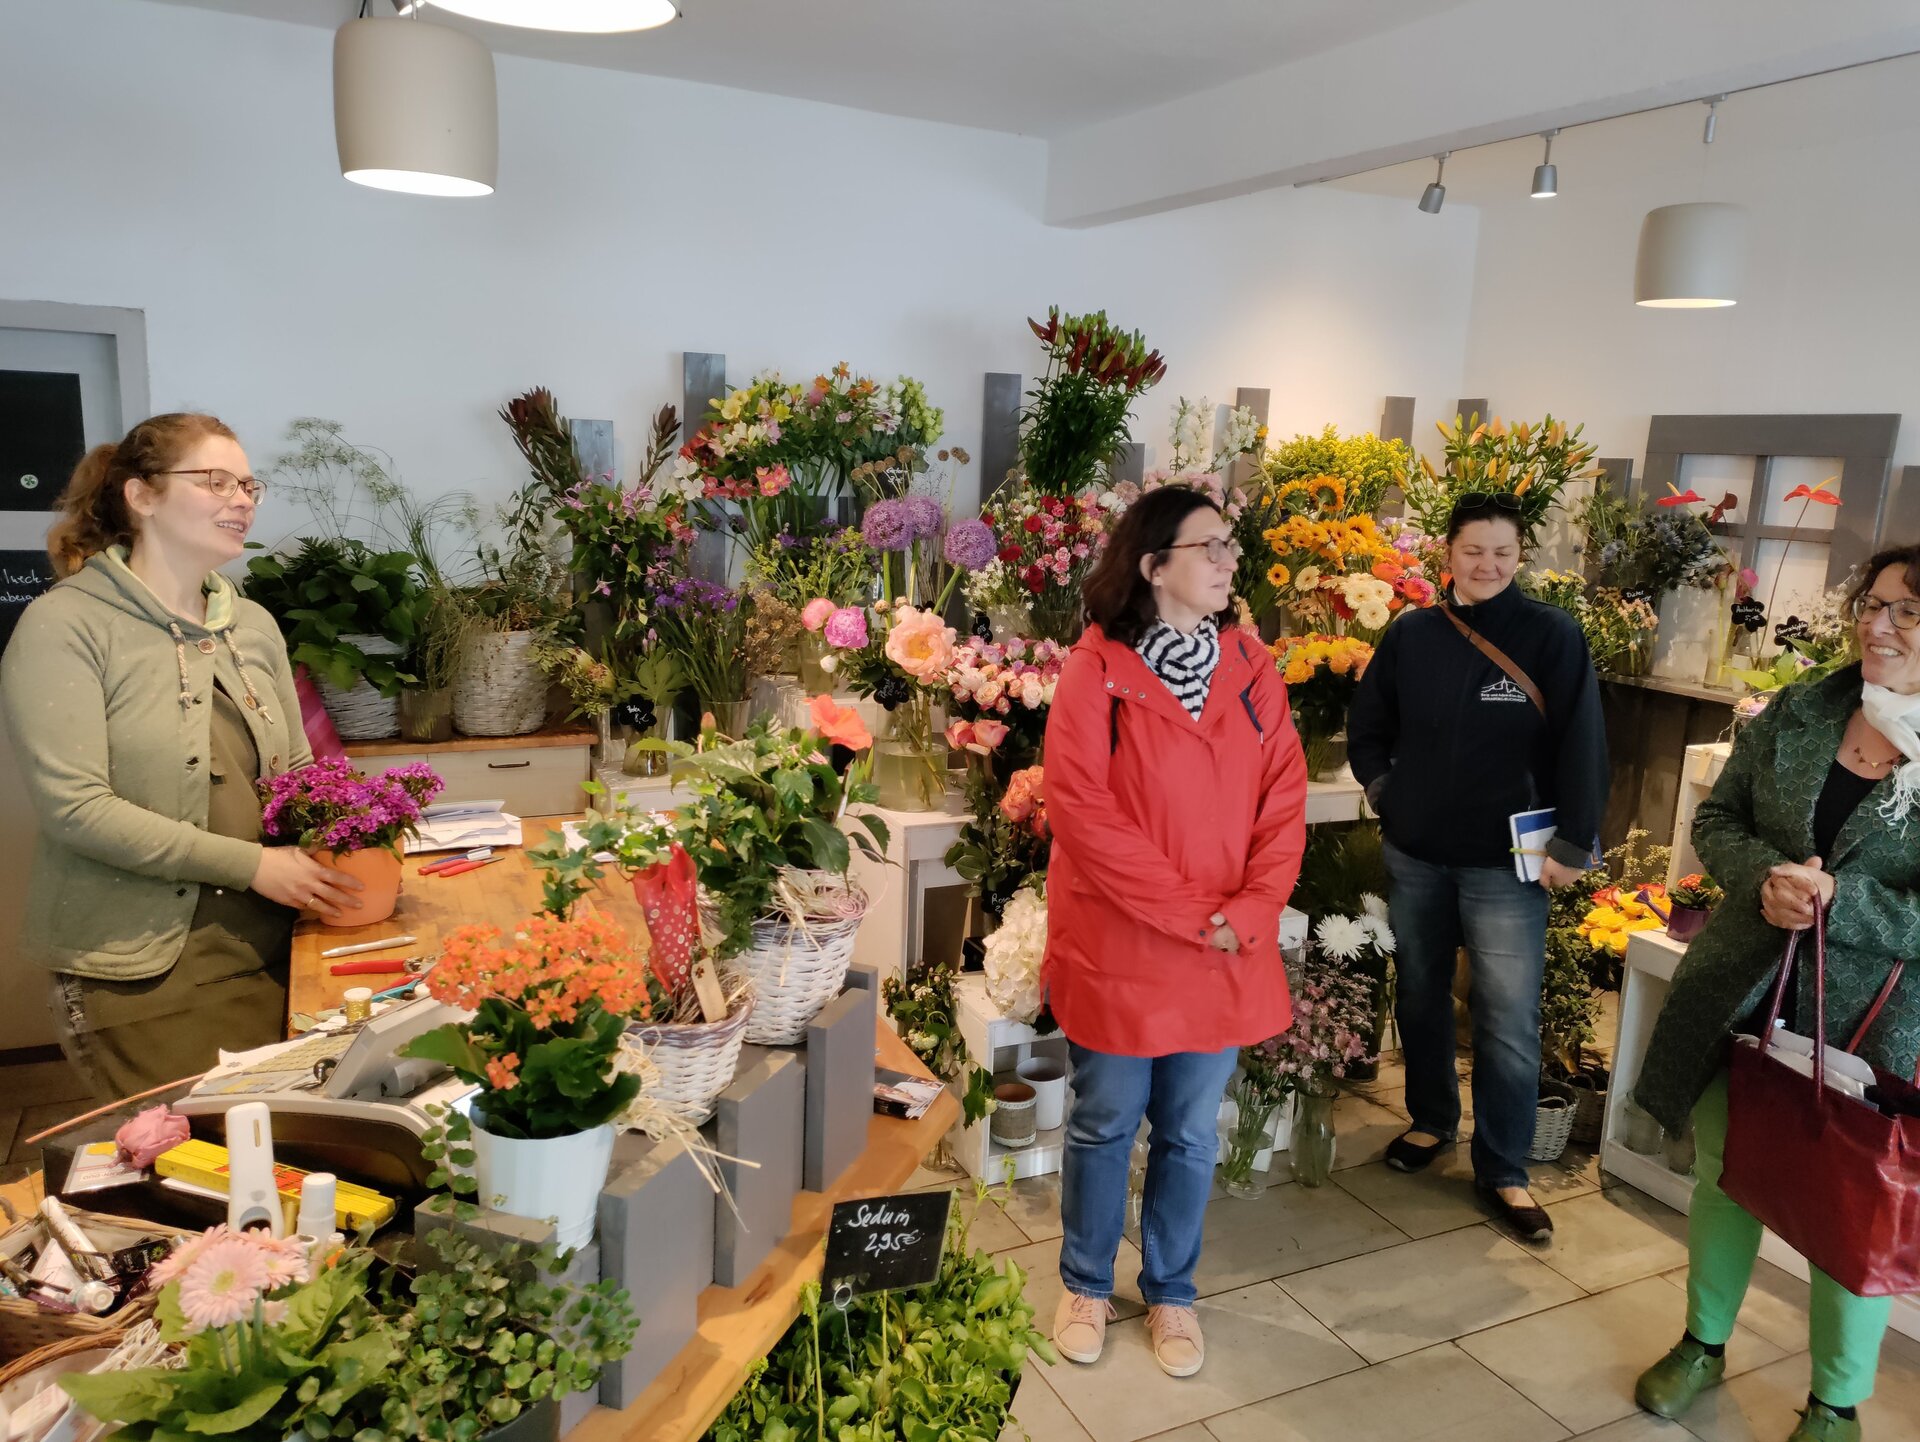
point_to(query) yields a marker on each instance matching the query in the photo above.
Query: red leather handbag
(1835, 1177)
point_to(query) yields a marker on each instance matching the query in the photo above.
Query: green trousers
(1723, 1241)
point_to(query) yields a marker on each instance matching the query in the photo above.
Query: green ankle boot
(1668, 1387)
(1820, 1423)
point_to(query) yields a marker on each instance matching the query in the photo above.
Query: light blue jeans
(1179, 1095)
(1502, 921)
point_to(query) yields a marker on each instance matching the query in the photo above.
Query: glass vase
(1325, 755)
(1246, 1130)
(1313, 1137)
(644, 761)
(731, 718)
(426, 715)
(814, 679)
(1009, 622)
(909, 764)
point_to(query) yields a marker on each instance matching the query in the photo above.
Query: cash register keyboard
(298, 1068)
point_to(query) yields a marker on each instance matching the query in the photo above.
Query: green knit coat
(1759, 814)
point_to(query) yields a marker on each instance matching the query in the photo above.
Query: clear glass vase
(645, 761)
(1313, 1137)
(1325, 755)
(731, 718)
(1244, 1134)
(909, 762)
(813, 649)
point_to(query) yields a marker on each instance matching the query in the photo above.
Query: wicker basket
(796, 969)
(362, 714)
(696, 1060)
(82, 1346)
(26, 1326)
(498, 690)
(1589, 1113)
(1552, 1123)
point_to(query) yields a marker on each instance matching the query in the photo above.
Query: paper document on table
(456, 826)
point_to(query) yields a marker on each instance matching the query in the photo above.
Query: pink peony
(814, 614)
(847, 628)
(921, 644)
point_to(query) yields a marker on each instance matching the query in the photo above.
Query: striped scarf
(1185, 663)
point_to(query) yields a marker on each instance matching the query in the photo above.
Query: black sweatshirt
(1449, 748)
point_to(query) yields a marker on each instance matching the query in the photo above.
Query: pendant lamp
(591, 17)
(1692, 256)
(414, 108)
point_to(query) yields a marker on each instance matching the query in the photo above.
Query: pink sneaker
(1177, 1344)
(1080, 1327)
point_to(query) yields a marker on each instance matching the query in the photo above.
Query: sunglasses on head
(1470, 502)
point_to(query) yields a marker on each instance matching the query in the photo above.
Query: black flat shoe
(1529, 1223)
(1405, 1156)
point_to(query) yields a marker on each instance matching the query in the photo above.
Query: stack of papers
(459, 825)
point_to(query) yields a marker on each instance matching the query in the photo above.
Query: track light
(1546, 176)
(1692, 256)
(1435, 194)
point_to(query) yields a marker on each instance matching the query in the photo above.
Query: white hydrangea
(1014, 950)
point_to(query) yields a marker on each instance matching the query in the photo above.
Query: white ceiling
(1033, 67)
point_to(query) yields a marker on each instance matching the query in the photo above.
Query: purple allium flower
(929, 517)
(970, 545)
(888, 526)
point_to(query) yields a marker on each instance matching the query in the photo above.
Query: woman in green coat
(145, 697)
(1816, 808)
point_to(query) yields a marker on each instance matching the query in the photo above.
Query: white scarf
(1897, 717)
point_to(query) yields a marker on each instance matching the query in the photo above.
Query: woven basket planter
(363, 714)
(796, 968)
(1589, 1113)
(498, 691)
(1552, 1123)
(28, 1328)
(697, 1060)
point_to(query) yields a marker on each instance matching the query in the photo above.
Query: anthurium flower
(1682, 498)
(1818, 493)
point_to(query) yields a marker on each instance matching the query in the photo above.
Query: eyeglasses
(1219, 550)
(1488, 501)
(1905, 615)
(223, 483)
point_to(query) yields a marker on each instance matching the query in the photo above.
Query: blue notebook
(1531, 831)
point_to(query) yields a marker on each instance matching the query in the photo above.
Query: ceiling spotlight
(1546, 176)
(414, 108)
(586, 17)
(1435, 195)
(1692, 256)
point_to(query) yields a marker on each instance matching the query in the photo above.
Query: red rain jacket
(1159, 822)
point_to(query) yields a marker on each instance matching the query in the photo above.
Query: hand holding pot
(291, 877)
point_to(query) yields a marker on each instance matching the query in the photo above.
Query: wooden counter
(738, 1326)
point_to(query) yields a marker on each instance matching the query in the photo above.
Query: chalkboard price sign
(885, 1244)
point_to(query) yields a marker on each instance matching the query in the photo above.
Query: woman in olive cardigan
(1814, 807)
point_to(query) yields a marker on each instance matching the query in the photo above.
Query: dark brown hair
(93, 508)
(1907, 558)
(1116, 595)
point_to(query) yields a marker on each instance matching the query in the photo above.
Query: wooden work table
(739, 1325)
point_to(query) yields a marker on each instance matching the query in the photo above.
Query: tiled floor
(1385, 1307)
(34, 1094)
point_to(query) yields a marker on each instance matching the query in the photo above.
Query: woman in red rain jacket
(1176, 790)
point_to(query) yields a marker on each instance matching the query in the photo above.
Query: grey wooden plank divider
(1470, 406)
(1130, 463)
(1396, 419)
(703, 379)
(1863, 444)
(999, 430)
(1259, 400)
(593, 440)
(1901, 524)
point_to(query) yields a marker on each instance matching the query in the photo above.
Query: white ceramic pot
(557, 1177)
(1048, 1078)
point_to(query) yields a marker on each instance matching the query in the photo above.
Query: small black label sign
(884, 1244)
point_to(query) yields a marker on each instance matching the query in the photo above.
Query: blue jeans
(1502, 921)
(1179, 1095)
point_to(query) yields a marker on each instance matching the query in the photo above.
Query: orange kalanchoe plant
(549, 1004)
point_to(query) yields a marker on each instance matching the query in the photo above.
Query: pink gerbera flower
(221, 1285)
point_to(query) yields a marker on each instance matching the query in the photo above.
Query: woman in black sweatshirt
(1451, 742)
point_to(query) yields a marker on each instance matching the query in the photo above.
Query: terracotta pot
(378, 870)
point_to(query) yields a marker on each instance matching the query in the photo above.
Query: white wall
(182, 163)
(1830, 313)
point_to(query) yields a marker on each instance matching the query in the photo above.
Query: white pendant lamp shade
(1691, 256)
(414, 108)
(590, 17)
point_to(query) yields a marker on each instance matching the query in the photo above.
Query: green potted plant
(350, 615)
(548, 1005)
(1530, 461)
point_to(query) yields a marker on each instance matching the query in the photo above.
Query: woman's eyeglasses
(1904, 614)
(223, 483)
(1488, 501)
(1219, 550)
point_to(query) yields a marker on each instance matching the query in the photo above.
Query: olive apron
(229, 987)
